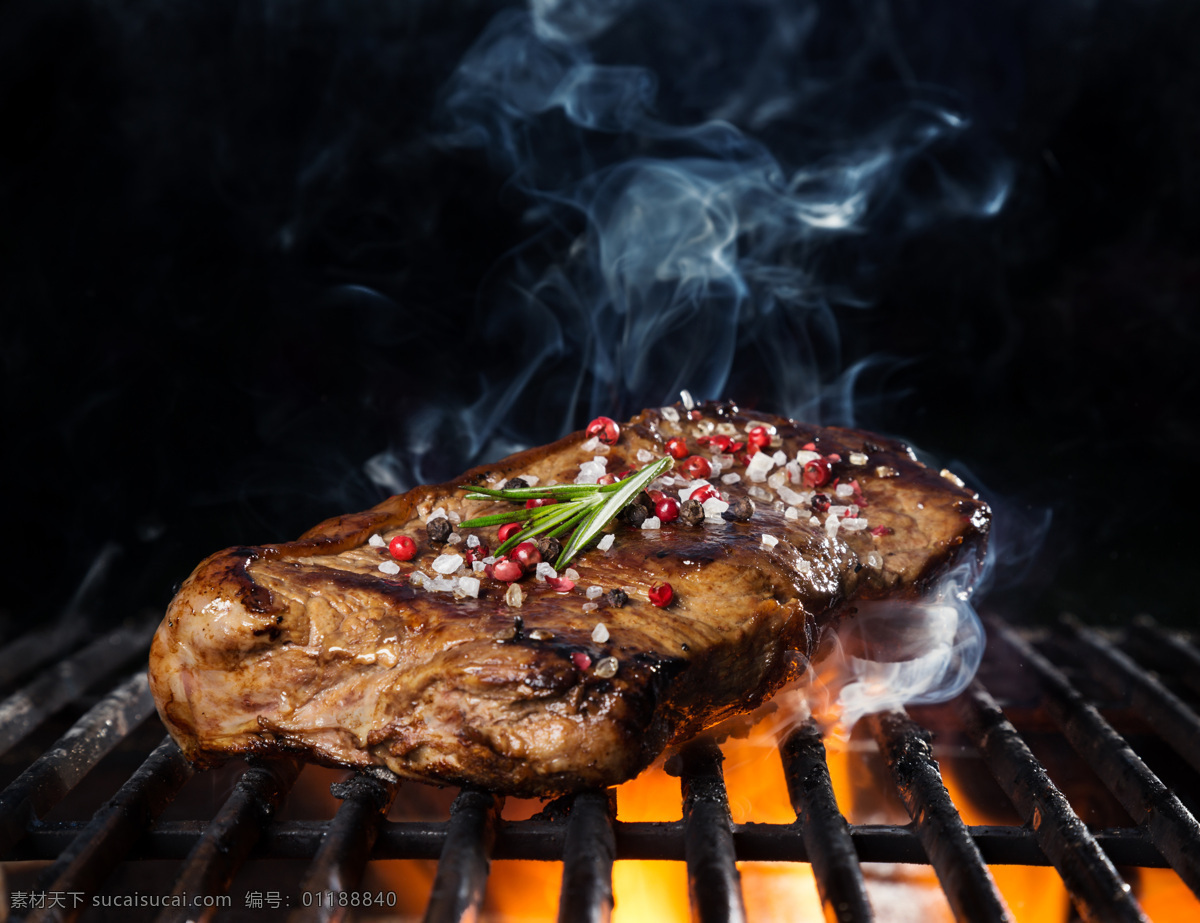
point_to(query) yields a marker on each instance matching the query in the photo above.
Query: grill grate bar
(825, 831)
(27, 708)
(49, 778)
(345, 845)
(1164, 711)
(30, 651)
(226, 842)
(1097, 890)
(588, 839)
(1149, 802)
(535, 840)
(113, 829)
(960, 867)
(1167, 650)
(588, 854)
(458, 887)
(714, 884)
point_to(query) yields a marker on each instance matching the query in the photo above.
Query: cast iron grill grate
(1070, 676)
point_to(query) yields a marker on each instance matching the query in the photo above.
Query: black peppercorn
(617, 598)
(691, 513)
(550, 548)
(634, 514)
(739, 510)
(820, 503)
(514, 484)
(438, 529)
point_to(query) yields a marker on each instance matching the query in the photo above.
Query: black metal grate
(1066, 679)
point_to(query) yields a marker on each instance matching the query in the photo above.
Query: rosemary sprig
(586, 508)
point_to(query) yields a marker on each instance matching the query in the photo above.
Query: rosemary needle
(586, 508)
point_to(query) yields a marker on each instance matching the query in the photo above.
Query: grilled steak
(309, 647)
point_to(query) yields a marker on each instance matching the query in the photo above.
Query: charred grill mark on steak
(305, 647)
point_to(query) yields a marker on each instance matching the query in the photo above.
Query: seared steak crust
(307, 647)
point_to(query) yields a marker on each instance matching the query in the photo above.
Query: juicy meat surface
(308, 647)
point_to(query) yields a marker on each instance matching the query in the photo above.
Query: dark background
(239, 260)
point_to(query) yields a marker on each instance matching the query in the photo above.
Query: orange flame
(1036, 894)
(656, 891)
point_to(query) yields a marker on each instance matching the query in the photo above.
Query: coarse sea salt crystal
(595, 592)
(651, 522)
(952, 478)
(780, 457)
(803, 458)
(514, 596)
(389, 567)
(831, 525)
(590, 472)
(795, 498)
(571, 573)
(478, 566)
(726, 429)
(770, 540)
(885, 471)
(376, 541)
(454, 538)
(777, 479)
(439, 513)
(838, 511)
(803, 566)
(778, 506)
(600, 633)
(470, 586)
(759, 466)
(857, 458)
(606, 668)
(607, 542)
(875, 560)
(472, 541)
(530, 479)
(854, 525)
(447, 563)
(686, 397)
(669, 413)
(813, 521)
(544, 570)
(759, 493)
(844, 490)
(713, 508)
(442, 584)
(490, 559)
(590, 607)
(791, 513)
(643, 456)
(416, 578)
(591, 445)
(732, 478)
(454, 517)
(724, 459)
